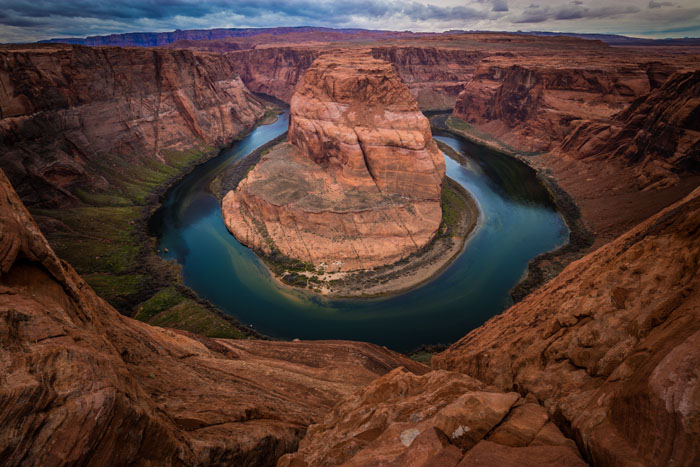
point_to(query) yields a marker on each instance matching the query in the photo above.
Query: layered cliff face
(531, 105)
(435, 76)
(359, 183)
(611, 346)
(71, 115)
(658, 134)
(274, 70)
(81, 384)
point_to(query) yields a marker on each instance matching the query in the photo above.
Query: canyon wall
(81, 384)
(71, 116)
(274, 70)
(531, 105)
(611, 346)
(359, 183)
(658, 134)
(434, 76)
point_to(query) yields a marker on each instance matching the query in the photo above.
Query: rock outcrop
(70, 115)
(81, 384)
(432, 420)
(611, 346)
(359, 183)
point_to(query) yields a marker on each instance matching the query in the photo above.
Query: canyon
(597, 366)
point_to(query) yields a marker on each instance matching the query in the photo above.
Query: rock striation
(611, 346)
(70, 115)
(359, 183)
(658, 134)
(81, 384)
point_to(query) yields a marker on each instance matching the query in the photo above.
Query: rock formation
(406, 420)
(359, 183)
(658, 134)
(66, 111)
(611, 346)
(81, 384)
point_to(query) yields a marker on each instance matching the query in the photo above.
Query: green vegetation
(190, 316)
(422, 357)
(100, 239)
(453, 208)
(160, 301)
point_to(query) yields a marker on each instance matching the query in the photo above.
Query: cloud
(536, 14)
(500, 5)
(653, 4)
(30, 20)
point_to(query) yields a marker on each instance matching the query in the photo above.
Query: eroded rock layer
(80, 384)
(611, 346)
(359, 183)
(658, 134)
(441, 419)
(69, 115)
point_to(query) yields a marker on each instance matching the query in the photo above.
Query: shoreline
(545, 266)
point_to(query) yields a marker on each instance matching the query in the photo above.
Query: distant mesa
(357, 185)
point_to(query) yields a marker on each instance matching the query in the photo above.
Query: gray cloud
(29, 20)
(653, 4)
(500, 5)
(536, 14)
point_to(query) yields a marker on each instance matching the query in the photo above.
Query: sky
(32, 20)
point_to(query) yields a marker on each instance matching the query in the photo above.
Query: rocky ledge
(358, 185)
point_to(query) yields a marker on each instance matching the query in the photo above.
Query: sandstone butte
(358, 184)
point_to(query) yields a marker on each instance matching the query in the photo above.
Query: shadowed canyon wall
(72, 117)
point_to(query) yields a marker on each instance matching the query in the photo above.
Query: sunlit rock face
(359, 183)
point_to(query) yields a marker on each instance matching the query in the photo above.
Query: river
(518, 222)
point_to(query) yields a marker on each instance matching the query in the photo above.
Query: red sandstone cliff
(359, 183)
(81, 384)
(611, 346)
(66, 111)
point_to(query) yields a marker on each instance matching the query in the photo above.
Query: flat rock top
(286, 177)
(355, 76)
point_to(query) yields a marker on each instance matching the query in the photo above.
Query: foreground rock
(359, 183)
(406, 420)
(81, 384)
(611, 347)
